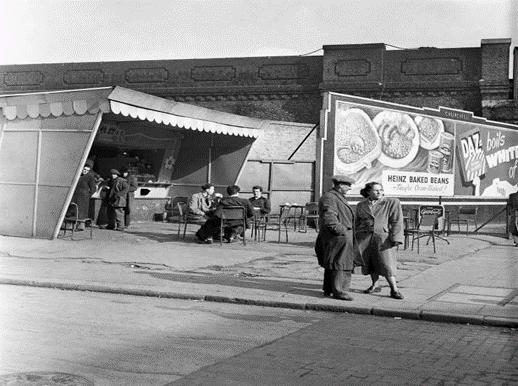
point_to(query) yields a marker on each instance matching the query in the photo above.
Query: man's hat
(89, 163)
(343, 179)
(115, 171)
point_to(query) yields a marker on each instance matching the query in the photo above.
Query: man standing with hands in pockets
(335, 247)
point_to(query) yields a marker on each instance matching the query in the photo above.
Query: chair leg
(184, 229)
(433, 241)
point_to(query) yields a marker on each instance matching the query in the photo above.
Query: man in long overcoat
(335, 246)
(118, 189)
(133, 186)
(512, 210)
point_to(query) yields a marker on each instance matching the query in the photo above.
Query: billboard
(418, 152)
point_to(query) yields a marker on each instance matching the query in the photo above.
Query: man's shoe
(342, 296)
(327, 293)
(372, 289)
(396, 295)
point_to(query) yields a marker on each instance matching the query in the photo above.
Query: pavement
(471, 280)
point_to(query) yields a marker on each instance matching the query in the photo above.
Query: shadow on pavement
(307, 289)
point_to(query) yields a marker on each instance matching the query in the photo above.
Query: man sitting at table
(201, 204)
(211, 228)
(258, 201)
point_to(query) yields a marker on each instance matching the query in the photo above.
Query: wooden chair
(310, 212)
(465, 216)
(72, 219)
(232, 213)
(425, 227)
(277, 222)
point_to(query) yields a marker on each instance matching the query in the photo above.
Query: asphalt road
(53, 337)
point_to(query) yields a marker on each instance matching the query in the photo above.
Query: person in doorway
(379, 228)
(512, 210)
(260, 202)
(85, 188)
(335, 245)
(201, 204)
(233, 228)
(133, 186)
(117, 191)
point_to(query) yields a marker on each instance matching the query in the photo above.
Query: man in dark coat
(133, 186)
(512, 210)
(85, 188)
(335, 247)
(233, 228)
(118, 189)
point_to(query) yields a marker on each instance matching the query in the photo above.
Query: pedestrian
(84, 189)
(379, 228)
(133, 186)
(200, 205)
(512, 210)
(335, 246)
(211, 228)
(118, 189)
(260, 202)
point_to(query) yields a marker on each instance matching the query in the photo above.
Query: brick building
(287, 90)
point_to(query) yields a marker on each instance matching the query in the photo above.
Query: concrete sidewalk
(472, 280)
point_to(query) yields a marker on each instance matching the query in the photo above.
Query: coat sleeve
(267, 206)
(329, 216)
(124, 189)
(92, 186)
(133, 184)
(396, 223)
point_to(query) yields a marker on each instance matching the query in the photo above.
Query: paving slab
(472, 280)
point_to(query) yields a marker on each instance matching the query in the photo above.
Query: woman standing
(379, 228)
(85, 188)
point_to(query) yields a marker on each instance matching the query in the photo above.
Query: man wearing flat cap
(336, 247)
(118, 189)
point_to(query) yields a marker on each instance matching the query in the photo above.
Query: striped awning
(128, 103)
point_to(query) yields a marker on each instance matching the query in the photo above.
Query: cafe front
(172, 148)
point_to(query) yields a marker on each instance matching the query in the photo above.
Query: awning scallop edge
(179, 121)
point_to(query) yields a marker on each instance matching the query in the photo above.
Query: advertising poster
(488, 160)
(410, 154)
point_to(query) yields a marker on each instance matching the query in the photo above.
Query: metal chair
(464, 216)
(277, 222)
(232, 213)
(71, 218)
(310, 212)
(175, 211)
(425, 227)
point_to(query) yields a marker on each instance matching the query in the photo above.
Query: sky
(51, 31)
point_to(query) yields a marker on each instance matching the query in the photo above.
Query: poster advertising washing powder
(488, 160)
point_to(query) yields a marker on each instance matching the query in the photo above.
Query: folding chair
(232, 213)
(465, 216)
(310, 212)
(425, 227)
(72, 219)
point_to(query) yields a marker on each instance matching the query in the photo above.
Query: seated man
(258, 201)
(200, 204)
(211, 228)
